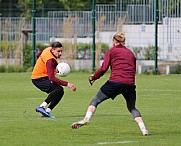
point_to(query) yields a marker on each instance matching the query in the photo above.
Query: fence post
(156, 37)
(93, 35)
(33, 32)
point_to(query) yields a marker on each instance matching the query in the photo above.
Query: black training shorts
(112, 89)
(45, 85)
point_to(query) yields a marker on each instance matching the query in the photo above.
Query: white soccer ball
(63, 69)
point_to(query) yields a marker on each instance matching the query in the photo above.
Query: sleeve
(51, 66)
(38, 55)
(104, 67)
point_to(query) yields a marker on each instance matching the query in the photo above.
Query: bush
(11, 69)
(176, 70)
(84, 50)
(27, 59)
(2, 68)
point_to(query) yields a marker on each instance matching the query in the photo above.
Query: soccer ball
(63, 69)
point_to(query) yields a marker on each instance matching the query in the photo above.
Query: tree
(25, 7)
(73, 5)
(81, 5)
(8, 8)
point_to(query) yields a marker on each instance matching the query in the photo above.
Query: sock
(141, 125)
(44, 104)
(48, 110)
(88, 115)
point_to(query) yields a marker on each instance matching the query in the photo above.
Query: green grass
(158, 99)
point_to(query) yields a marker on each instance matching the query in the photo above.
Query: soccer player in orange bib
(43, 77)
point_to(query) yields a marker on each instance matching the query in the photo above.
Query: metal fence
(134, 18)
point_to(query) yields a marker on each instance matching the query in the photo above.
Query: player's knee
(60, 92)
(135, 113)
(95, 102)
(100, 97)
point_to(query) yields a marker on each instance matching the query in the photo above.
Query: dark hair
(56, 45)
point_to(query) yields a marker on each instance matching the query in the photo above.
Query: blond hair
(120, 38)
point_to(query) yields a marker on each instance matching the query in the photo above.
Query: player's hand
(71, 86)
(91, 81)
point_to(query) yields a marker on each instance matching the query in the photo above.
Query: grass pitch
(158, 99)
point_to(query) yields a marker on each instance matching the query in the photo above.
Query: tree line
(23, 8)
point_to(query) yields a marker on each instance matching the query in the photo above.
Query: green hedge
(11, 69)
(176, 70)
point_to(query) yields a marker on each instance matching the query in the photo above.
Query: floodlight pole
(156, 17)
(33, 32)
(93, 35)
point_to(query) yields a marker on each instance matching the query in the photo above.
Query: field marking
(118, 142)
(147, 89)
(156, 94)
(35, 98)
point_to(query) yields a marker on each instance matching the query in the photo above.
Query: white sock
(44, 104)
(88, 115)
(141, 125)
(48, 110)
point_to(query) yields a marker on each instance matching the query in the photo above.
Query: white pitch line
(156, 94)
(35, 98)
(118, 142)
(160, 90)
